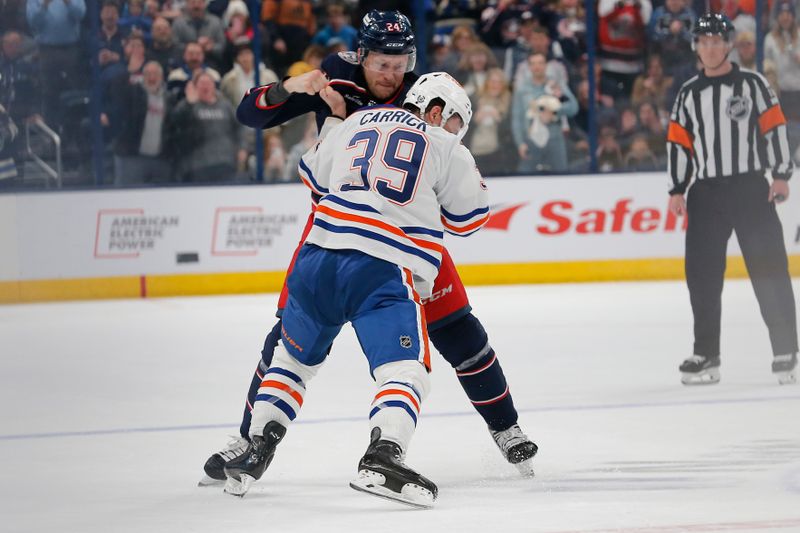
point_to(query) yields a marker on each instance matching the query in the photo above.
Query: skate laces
(235, 447)
(508, 438)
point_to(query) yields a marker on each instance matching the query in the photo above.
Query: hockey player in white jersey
(392, 182)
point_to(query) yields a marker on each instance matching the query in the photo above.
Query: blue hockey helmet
(387, 32)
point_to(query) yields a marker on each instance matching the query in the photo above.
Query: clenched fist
(309, 83)
(335, 101)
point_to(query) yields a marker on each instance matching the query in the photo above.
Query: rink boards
(239, 239)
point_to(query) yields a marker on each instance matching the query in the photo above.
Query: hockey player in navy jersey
(380, 72)
(391, 182)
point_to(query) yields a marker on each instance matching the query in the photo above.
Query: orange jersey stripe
(677, 134)
(771, 118)
(466, 229)
(426, 357)
(284, 387)
(378, 224)
(401, 393)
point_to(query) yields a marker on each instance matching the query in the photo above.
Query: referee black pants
(715, 208)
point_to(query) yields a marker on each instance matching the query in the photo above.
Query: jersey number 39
(395, 176)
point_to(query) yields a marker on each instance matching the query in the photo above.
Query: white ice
(109, 410)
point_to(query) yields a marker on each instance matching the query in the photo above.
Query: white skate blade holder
(239, 488)
(411, 494)
(710, 376)
(210, 482)
(787, 378)
(525, 468)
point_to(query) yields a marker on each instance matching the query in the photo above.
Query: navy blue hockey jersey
(345, 75)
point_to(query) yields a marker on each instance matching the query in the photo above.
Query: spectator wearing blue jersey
(670, 32)
(136, 21)
(55, 24)
(193, 62)
(337, 28)
(109, 41)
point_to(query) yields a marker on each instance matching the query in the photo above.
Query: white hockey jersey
(391, 185)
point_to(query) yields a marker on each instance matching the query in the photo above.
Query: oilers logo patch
(737, 108)
(405, 341)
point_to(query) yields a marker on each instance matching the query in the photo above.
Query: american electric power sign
(230, 229)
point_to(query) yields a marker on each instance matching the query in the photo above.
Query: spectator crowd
(166, 77)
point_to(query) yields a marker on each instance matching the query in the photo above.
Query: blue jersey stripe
(395, 403)
(287, 373)
(308, 173)
(462, 218)
(467, 234)
(422, 231)
(277, 402)
(350, 205)
(378, 237)
(409, 385)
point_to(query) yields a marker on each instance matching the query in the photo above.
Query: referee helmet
(713, 24)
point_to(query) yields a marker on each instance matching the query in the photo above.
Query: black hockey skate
(700, 370)
(516, 447)
(215, 465)
(785, 368)
(382, 473)
(242, 471)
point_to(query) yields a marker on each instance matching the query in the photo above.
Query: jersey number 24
(402, 155)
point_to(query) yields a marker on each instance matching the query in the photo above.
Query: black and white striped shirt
(726, 126)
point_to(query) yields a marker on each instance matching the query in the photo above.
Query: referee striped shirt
(726, 126)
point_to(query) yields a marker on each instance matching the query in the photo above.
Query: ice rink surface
(109, 410)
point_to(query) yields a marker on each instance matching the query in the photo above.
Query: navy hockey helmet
(713, 24)
(387, 32)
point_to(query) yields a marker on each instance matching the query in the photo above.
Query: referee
(725, 130)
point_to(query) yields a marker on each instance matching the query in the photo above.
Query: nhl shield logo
(405, 341)
(738, 108)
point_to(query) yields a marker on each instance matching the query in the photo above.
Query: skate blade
(526, 468)
(706, 377)
(210, 482)
(411, 494)
(787, 378)
(239, 488)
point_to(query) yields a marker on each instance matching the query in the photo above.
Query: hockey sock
(258, 376)
(486, 387)
(465, 345)
(402, 385)
(280, 394)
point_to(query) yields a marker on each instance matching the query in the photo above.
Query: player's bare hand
(677, 205)
(335, 101)
(523, 151)
(308, 83)
(778, 191)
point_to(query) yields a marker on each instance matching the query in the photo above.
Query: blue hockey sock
(486, 387)
(258, 376)
(465, 345)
